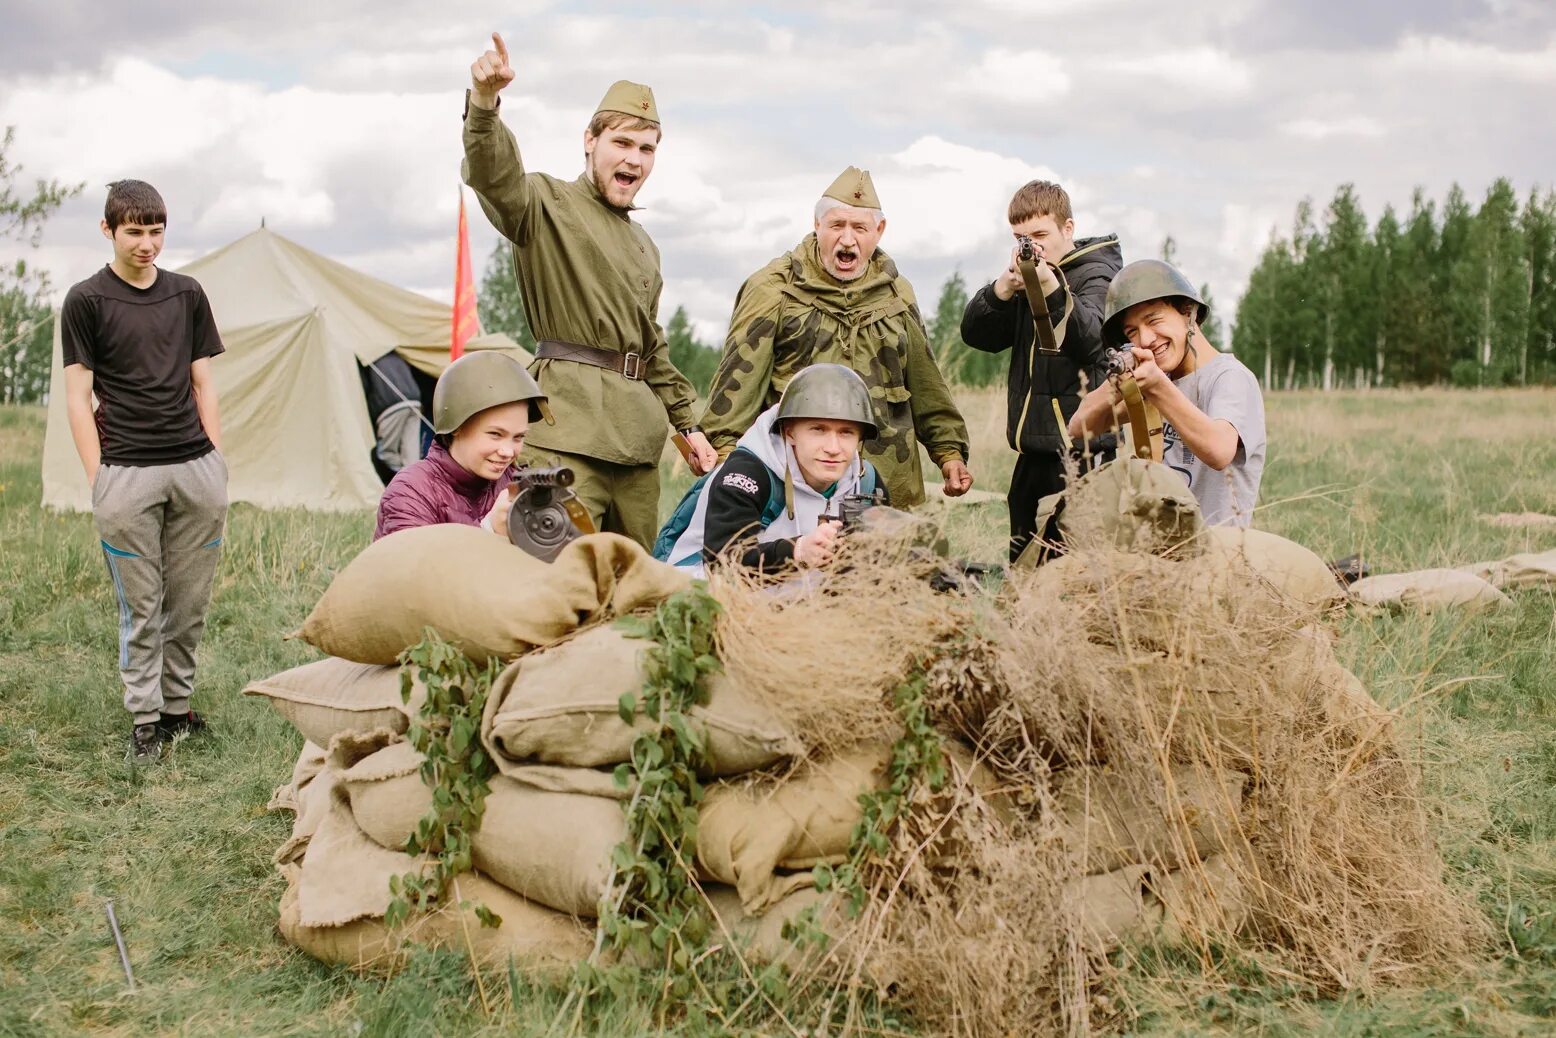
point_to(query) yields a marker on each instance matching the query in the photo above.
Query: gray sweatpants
(161, 528)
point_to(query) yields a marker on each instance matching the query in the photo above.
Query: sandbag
(330, 696)
(1296, 572)
(1111, 908)
(1106, 825)
(479, 592)
(551, 848)
(1130, 505)
(309, 763)
(561, 706)
(313, 800)
(1426, 590)
(1205, 897)
(345, 875)
(537, 940)
(1531, 569)
(746, 831)
(760, 934)
(1138, 903)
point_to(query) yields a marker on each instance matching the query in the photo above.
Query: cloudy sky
(338, 122)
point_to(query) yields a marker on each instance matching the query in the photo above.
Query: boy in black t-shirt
(141, 340)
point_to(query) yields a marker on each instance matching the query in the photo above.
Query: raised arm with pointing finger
(590, 279)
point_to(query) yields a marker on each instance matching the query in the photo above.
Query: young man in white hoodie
(769, 504)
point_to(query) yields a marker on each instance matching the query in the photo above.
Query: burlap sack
(748, 830)
(1206, 897)
(1137, 903)
(1130, 505)
(309, 763)
(759, 935)
(331, 696)
(313, 800)
(560, 706)
(345, 875)
(1107, 825)
(480, 592)
(1295, 571)
(1111, 908)
(1532, 569)
(763, 835)
(1426, 590)
(551, 848)
(537, 940)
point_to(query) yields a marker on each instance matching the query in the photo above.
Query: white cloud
(945, 199)
(343, 130)
(1204, 72)
(1015, 78)
(1343, 126)
(1442, 58)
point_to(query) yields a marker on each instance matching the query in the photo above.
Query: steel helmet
(829, 391)
(1141, 282)
(482, 379)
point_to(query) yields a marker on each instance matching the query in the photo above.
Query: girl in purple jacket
(482, 406)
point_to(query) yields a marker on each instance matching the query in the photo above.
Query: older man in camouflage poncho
(835, 298)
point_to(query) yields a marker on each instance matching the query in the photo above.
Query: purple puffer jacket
(436, 489)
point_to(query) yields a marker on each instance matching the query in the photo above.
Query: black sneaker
(147, 742)
(180, 724)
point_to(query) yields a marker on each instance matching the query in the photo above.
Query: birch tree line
(1441, 295)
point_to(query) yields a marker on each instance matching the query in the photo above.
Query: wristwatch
(687, 432)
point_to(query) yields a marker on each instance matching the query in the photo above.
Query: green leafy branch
(446, 730)
(654, 912)
(918, 757)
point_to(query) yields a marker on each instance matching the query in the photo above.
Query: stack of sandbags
(552, 725)
(338, 893)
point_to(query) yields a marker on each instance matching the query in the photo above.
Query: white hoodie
(765, 441)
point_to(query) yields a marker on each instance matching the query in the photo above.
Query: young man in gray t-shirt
(1212, 410)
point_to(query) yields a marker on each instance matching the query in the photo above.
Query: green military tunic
(588, 275)
(792, 313)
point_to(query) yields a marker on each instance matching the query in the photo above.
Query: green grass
(184, 849)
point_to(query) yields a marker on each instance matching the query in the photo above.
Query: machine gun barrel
(555, 476)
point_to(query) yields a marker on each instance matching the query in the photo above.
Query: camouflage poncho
(792, 313)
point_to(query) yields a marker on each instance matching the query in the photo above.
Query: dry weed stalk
(825, 649)
(1202, 723)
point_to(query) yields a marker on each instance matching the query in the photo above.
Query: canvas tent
(297, 327)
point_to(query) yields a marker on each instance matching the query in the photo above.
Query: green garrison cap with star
(629, 98)
(854, 187)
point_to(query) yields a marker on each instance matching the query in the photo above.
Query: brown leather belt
(628, 365)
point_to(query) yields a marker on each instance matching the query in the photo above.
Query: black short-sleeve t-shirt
(139, 344)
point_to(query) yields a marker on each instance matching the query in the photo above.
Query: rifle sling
(1039, 305)
(1145, 422)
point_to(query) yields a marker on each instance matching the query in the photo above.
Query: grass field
(184, 849)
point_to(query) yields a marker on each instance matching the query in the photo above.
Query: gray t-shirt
(1226, 390)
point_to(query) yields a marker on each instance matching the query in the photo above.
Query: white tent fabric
(295, 427)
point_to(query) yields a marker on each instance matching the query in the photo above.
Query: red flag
(467, 321)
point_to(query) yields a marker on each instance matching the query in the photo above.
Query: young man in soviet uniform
(838, 299)
(590, 280)
(1073, 277)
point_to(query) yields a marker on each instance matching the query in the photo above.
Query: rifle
(1145, 422)
(545, 515)
(1026, 263)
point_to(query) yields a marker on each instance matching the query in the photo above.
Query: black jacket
(993, 326)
